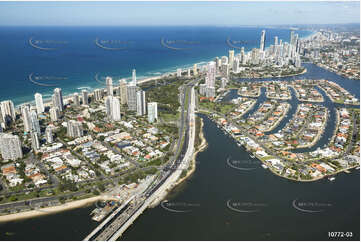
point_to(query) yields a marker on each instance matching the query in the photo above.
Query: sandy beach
(50, 210)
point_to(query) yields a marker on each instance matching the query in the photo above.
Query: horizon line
(183, 25)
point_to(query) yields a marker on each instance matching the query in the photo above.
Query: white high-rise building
(243, 56)
(25, 113)
(112, 105)
(276, 40)
(123, 92)
(211, 74)
(7, 111)
(85, 97)
(35, 144)
(152, 112)
(98, 94)
(224, 60)
(195, 71)
(231, 58)
(57, 99)
(132, 97)
(74, 129)
(134, 77)
(236, 66)
(263, 38)
(292, 38)
(141, 108)
(35, 126)
(39, 103)
(10, 147)
(202, 89)
(188, 72)
(76, 101)
(109, 84)
(225, 70)
(216, 59)
(49, 134)
(179, 72)
(54, 114)
(116, 109)
(108, 106)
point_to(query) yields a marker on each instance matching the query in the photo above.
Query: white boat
(264, 166)
(357, 168)
(331, 178)
(252, 156)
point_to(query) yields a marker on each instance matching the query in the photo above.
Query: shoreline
(201, 147)
(50, 210)
(48, 102)
(146, 79)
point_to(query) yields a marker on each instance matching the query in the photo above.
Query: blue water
(75, 58)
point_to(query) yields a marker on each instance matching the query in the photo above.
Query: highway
(121, 219)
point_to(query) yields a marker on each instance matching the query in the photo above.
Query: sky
(177, 13)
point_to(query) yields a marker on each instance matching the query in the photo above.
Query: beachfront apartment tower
(57, 99)
(85, 96)
(109, 84)
(179, 72)
(76, 101)
(98, 94)
(39, 103)
(195, 71)
(134, 77)
(263, 39)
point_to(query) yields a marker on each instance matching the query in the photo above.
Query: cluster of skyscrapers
(280, 53)
(125, 93)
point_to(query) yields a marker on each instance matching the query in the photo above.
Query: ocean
(71, 57)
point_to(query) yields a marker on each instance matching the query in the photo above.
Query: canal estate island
(126, 144)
